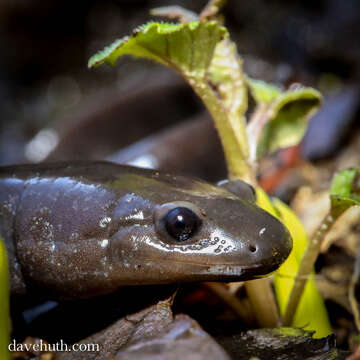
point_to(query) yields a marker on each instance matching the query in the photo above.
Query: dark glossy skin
(84, 229)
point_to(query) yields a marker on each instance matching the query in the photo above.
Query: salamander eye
(177, 221)
(181, 223)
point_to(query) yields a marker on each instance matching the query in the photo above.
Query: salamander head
(197, 232)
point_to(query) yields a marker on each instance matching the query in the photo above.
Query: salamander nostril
(252, 248)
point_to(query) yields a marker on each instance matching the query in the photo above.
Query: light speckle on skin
(104, 243)
(139, 215)
(104, 221)
(75, 205)
(261, 232)
(74, 236)
(9, 207)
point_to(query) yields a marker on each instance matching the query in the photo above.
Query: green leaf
(283, 115)
(202, 53)
(183, 47)
(262, 92)
(345, 191)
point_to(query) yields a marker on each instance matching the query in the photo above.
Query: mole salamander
(78, 230)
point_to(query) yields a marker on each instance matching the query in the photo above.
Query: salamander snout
(270, 248)
(252, 240)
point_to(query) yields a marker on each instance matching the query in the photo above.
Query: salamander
(78, 230)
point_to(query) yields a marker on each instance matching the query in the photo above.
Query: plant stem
(263, 301)
(232, 132)
(306, 267)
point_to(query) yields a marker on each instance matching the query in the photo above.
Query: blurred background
(53, 108)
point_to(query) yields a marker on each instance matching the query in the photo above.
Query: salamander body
(77, 230)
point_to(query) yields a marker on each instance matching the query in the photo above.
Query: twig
(212, 9)
(352, 298)
(175, 12)
(305, 269)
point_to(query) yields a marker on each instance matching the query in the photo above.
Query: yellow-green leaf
(311, 313)
(4, 303)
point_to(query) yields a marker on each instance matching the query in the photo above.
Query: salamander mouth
(249, 272)
(221, 272)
